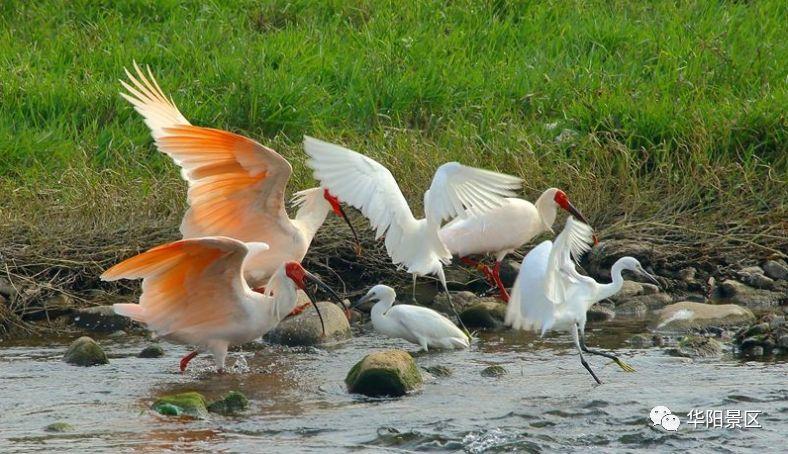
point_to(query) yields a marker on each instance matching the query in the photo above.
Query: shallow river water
(547, 401)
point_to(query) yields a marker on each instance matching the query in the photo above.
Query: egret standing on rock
(416, 324)
(236, 185)
(364, 183)
(193, 292)
(503, 229)
(549, 293)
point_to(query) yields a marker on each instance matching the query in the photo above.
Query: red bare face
(334, 203)
(561, 199)
(296, 272)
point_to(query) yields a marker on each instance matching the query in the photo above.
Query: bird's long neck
(608, 290)
(312, 214)
(381, 307)
(547, 209)
(280, 300)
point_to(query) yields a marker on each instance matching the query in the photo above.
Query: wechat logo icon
(661, 416)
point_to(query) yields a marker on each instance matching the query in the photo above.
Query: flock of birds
(235, 274)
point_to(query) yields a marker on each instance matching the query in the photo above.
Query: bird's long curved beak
(343, 215)
(322, 285)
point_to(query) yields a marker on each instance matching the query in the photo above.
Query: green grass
(678, 108)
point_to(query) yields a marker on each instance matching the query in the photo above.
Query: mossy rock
(85, 352)
(494, 371)
(59, 427)
(387, 373)
(697, 347)
(486, 314)
(439, 371)
(233, 403)
(190, 403)
(151, 351)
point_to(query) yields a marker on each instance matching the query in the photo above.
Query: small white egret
(364, 183)
(502, 230)
(236, 185)
(549, 293)
(193, 292)
(415, 324)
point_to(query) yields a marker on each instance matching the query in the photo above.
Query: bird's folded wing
(363, 183)
(573, 241)
(457, 189)
(188, 285)
(236, 185)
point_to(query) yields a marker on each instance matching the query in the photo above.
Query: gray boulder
(101, 319)
(494, 371)
(386, 373)
(653, 301)
(600, 313)
(687, 315)
(151, 351)
(776, 269)
(85, 352)
(632, 309)
(304, 329)
(730, 291)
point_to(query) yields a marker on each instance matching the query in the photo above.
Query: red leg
(185, 360)
(496, 275)
(469, 261)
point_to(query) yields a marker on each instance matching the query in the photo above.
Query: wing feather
(457, 189)
(187, 286)
(573, 241)
(236, 185)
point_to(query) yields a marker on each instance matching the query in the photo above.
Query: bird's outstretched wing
(236, 185)
(457, 189)
(365, 184)
(573, 241)
(529, 308)
(189, 286)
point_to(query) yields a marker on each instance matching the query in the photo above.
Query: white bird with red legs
(502, 230)
(414, 244)
(549, 293)
(236, 185)
(194, 293)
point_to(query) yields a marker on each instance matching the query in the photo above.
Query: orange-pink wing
(189, 286)
(236, 185)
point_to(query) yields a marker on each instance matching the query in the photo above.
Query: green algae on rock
(387, 373)
(189, 403)
(85, 352)
(233, 403)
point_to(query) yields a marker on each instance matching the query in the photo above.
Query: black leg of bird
(626, 367)
(580, 347)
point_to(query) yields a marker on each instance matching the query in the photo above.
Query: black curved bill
(352, 229)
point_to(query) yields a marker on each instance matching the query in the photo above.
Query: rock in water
(59, 427)
(304, 329)
(769, 335)
(697, 347)
(386, 373)
(439, 371)
(487, 314)
(494, 371)
(233, 403)
(151, 351)
(461, 300)
(101, 319)
(687, 315)
(189, 403)
(85, 352)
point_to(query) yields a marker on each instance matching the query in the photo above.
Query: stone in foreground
(151, 351)
(231, 404)
(687, 315)
(494, 371)
(304, 329)
(189, 403)
(487, 314)
(59, 427)
(85, 352)
(387, 373)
